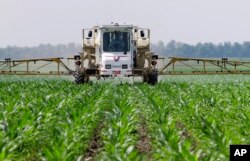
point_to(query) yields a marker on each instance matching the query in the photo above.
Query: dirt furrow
(143, 145)
(95, 145)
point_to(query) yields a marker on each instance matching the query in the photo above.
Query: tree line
(208, 50)
(40, 51)
(173, 48)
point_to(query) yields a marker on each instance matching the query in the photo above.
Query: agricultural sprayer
(117, 50)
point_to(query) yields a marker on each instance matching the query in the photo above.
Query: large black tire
(80, 78)
(153, 77)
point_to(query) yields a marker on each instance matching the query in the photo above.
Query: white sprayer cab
(116, 50)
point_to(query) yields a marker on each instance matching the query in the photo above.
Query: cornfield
(191, 118)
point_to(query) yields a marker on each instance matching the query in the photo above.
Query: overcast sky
(31, 22)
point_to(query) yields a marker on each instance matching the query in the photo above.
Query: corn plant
(119, 135)
(187, 118)
(46, 121)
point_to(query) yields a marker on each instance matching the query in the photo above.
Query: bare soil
(95, 145)
(185, 134)
(143, 145)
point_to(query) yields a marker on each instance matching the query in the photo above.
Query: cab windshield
(116, 41)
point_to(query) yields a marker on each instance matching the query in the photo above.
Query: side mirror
(90, 34)
(142, 34)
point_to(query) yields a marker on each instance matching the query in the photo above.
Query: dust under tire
(153, 77)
